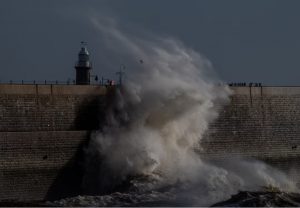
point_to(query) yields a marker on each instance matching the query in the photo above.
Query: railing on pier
(103, 82)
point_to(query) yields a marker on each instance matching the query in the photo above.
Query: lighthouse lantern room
(83, 66)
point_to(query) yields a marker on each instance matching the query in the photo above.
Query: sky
(246, 40)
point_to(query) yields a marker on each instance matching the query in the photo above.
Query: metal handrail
(102, 82)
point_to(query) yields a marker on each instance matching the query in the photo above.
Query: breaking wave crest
(145, 149)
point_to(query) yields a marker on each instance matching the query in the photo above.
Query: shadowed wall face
(40, 165)
(42, 131)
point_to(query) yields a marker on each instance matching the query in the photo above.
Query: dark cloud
(245, 40)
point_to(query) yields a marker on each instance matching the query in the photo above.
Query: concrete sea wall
(261, 123)
(42, 131)
(40, 165)
(44, 127)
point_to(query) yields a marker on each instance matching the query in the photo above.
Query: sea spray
(154, 122)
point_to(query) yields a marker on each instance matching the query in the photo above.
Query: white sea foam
(158, 117)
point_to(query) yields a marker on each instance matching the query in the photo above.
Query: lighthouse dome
(83, 51)
(83, 58)
(83, 55)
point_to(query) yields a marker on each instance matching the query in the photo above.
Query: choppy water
(140, 191)
(154, 198)
(262, 199)
(150, 191)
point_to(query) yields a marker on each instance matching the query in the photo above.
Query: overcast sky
(249, 40)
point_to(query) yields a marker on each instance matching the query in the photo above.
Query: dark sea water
(158, 199)
(155, 199)
(242, 199)
(262, 199)
(143, 192)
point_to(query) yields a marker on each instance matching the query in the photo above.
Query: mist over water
(155, 121)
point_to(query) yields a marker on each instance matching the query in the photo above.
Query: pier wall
(261, 123)
(43, 130)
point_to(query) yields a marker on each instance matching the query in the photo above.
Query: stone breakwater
(44, 127)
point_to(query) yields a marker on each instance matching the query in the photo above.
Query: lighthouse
(83, 66)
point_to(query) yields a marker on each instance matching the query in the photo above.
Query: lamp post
(121, 73)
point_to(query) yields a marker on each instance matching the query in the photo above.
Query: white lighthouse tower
(83, 66)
